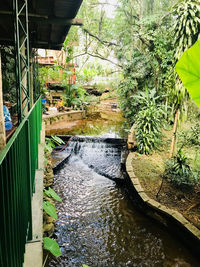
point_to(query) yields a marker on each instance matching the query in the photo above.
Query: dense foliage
(8, 73)
(149, 120)
(143, 40)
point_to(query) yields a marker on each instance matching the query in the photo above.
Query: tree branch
(106, 43)
(103, 58)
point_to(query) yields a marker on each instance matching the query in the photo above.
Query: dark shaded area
(48, 21)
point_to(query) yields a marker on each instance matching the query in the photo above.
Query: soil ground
(150, 168)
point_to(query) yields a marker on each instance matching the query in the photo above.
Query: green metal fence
(18, 163)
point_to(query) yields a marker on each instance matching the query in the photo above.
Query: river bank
(149, 170)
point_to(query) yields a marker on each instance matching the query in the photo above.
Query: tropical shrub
(73, 95)
(195, 135)
(190, 137)
(186, 26)
(178, 171)
(148, 128)
(149, 117)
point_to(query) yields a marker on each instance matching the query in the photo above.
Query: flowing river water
(98, 224)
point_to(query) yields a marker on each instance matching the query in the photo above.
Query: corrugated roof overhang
(49, 22)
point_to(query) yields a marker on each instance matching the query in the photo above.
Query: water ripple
(97, 224)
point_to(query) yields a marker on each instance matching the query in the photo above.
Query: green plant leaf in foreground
(84, 265)
(52, 246)
(188, 69)
(51, 193)
(57, 140)
(50, 209)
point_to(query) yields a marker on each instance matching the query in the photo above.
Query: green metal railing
(18, 163)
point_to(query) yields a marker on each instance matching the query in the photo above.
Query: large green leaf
(52, 246)
(188, 69)
(50, 209)
(51, 193)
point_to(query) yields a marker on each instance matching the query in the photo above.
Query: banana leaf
(188, 69)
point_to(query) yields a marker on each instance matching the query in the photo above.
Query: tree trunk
(173, 143)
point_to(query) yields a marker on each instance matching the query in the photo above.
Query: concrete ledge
(168, 217)
(34, 251)
(64, 116)
(34, 255)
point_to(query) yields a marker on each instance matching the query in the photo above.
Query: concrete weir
(63, 116)
(170, 218)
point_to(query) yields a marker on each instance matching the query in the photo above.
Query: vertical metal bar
(17, 59)
(15, 174)
(10, 180)
(29, 179)
(3, 214)
(7, 212)
(28, 57)
(22, 57)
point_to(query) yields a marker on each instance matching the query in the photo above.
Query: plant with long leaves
(178, 171)
(51, 142)
(186, 27)
(149, 120)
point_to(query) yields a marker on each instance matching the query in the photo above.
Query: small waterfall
(103, 155)
(97, 223)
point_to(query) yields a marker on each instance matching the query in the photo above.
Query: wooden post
(2, 124)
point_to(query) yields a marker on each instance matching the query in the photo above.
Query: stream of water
(98, 224)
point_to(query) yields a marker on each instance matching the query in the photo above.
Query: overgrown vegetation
(142, 40)
(8, 73)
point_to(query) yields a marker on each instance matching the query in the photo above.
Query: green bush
(190, 137)
(73, 95)
(148, 120)
(148, 129)
(195, 135)
(178, 171)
